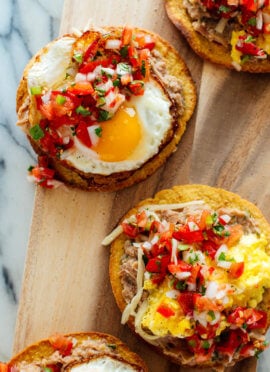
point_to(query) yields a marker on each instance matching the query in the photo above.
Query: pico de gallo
(196, 264)
(242, 25)
(106, 69)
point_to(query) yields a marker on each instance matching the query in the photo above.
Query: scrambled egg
(236, 54)
(176, 325)
(263, 42)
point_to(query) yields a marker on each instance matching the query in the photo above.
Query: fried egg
(129, 139)
(103, 364)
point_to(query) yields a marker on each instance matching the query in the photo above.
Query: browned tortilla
(70, 175)
(206, 49)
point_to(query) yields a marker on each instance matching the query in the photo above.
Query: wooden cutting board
(66, 286)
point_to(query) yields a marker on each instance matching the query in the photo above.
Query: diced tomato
(203, 303)
(207, 332)
(186, 301)
(83, 135)
(251, 5)
(194, 274)
(141, 219)
(130, 230)
(144, 63)
(236, 232)
(53, 108)
(133, 56)
(136, 87)
(234, 339)
(253, 318)
(145, 41)
(158, 264)
(210, 248)
(202, 349)
(90, 66)
(236, 269)
(43, 173)
(81, 88)
(188, 236)
(126, 36)
(247, 350)
(156, 227)
(165, 311)
(4, 367)
(203, 222)
(249, 48)
(61, 343)
(180, 267)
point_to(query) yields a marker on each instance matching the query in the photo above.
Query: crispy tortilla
(42, 351)
(175, 67)
(213, 197)
(206, 49)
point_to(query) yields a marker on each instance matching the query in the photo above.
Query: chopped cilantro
(181, 285)
(143, 69)
(101, 101)
(203, 289)
(206, 344)
(35, 91)
(194, 258)
(30, 168)
(249, 39)
(244, 326)
(47, 369)
(222, 257)
(182, 247)
(78, 57)
(83, 111)
(98, 131)
(218, 229)
(223, 9)
(192, 343)
(252, 21)
(101, 92)
(124, 51)
(116, 83)
(103, 115)
(36, 132)
(211, 314)
(60, 100)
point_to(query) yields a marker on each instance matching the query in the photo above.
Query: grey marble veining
(25, 27)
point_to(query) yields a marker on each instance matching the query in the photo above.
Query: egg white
(152, 108)
(103, 364)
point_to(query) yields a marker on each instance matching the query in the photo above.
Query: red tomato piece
(91, 51)
(136, 87)
(180, 267)
(236, 269)
(186, 301)
(188, 236)
(82, 88)
(194, 274)
(158, 264)
(210, 248)
(4, 367)
(256, 319)
(203, 303)
(234, 339)
(141, 219)
(130, 230)
(83, 135)
(61, 343)
(133, 56)
(247, 350)
(165, 311)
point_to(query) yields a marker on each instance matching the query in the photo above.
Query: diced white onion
(108, 70)
(193, 226)
(182, 275)
(221, 25)
(224, 264)
(172, 294)
(80, 77)
(92, 134)
(113, 44)
(216, 318)
(46, 97)
(147, 245)
(211, 290)
(259, 20)
(201, 317)
(123, 69)
(155, 239)
(174, 251)
(191, 287)
(91, 76)
(225, 217)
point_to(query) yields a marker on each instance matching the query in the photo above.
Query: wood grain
(66, 286)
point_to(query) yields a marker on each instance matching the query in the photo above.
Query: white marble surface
(25, 26)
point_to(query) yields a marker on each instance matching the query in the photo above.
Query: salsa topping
(194, 279)
(106, 69)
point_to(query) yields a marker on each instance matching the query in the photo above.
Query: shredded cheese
(162, 207)
(113, 235)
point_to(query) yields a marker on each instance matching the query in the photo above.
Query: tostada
(190, 272)
(105, 108)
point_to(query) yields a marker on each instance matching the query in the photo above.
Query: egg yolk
(120, 135)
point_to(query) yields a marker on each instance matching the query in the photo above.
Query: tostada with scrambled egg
(232, 33)
(105, 108)
(190, 272)
(79, 352)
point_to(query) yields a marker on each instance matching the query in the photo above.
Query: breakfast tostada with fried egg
(76, 352)
(105, 108)
(190, 272)
(232, 33)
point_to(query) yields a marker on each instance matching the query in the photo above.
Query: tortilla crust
(43, 349)
(215, 198)
(176, 67)
(211, 51)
